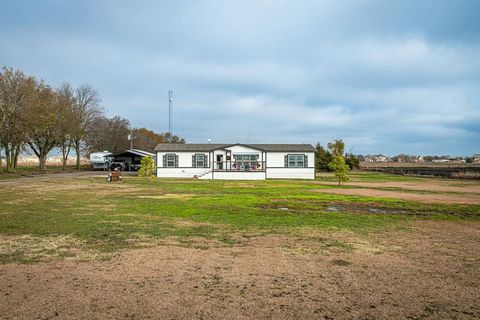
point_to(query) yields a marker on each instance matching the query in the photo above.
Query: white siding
(184, 158)
(185, 169)
(182, 172)
(277, 159)
(235, 175)
(290, 173)
(275, 166)
(244, 150)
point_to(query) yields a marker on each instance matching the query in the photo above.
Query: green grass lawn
(108, 216)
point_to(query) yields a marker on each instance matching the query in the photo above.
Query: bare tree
(171, 138)
(14, 87)
(108, 134)
(65, 97)
(337, 148)
(87, 108)
(43, 122)
(145, 139)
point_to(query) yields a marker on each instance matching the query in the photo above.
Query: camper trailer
(100, 160)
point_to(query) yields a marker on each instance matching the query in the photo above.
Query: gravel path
(58, 175)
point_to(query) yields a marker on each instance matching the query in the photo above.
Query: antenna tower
(170, 115)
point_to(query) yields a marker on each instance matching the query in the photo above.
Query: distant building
(407, 158)
(440, 160)
(376, 158)
(476, 157)
(456, 160)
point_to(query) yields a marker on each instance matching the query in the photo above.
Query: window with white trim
(296, 160)
(170, 160)
(245, 157)
(199, 160)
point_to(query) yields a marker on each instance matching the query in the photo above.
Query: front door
(220, 161)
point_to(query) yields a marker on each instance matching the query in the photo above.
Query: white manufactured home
(236, 161)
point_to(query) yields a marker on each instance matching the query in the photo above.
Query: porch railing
(250, 166)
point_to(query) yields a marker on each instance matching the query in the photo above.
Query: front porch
(239, 166)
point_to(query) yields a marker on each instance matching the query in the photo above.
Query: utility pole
(130, 137)
(170, 112)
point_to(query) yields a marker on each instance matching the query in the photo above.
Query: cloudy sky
(386, 76)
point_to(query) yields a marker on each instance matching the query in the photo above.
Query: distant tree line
(413, 158)
(111, 134)
(37, 117)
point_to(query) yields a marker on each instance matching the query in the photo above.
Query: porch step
(200, 176)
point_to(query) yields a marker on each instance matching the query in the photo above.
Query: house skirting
(206, 173)
(239, 175)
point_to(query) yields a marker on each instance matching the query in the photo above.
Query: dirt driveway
(429, 273)
(53, 176)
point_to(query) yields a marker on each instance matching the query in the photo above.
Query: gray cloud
(387, 77)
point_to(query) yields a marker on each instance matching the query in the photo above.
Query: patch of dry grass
(28, 248)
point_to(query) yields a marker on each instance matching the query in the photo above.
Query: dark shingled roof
(215, 146)
(285, 147)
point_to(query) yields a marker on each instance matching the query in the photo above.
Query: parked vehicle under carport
(128, 160)
(120, 165)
